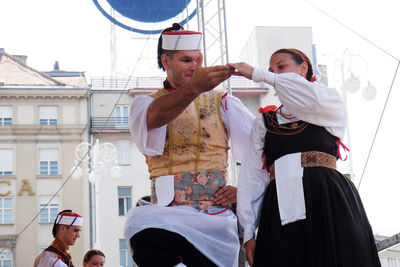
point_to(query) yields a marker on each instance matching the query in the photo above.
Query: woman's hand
(243, 69)
(250, 248)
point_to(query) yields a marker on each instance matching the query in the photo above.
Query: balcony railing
(126, 84)
(157, 82)
(101, 124)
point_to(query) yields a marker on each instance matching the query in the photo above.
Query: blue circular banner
(149, 14)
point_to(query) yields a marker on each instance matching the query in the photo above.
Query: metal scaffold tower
(211, 21)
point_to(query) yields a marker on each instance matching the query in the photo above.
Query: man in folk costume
(66, 229)
(183, 130)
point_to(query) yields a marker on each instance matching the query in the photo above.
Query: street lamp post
(98, 157)
(349, 83)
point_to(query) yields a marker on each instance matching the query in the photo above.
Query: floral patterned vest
(196, 140)
(195, 152)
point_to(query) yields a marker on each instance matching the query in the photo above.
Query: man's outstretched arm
(167, 107)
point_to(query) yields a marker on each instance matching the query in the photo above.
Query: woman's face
(95, 261)
(283, 62)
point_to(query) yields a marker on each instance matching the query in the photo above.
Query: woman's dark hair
(299, 57)
(160, 51)
(90, 253)
(55, 225)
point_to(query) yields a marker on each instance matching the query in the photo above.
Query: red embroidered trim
(168, 86)
(59, 258)
(226, 102)
(286, 116)
(264, 166)
(222, 211)
(340, 144)
(267, 109)
(313, 79)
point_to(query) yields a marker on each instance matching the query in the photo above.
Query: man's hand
(207, 78)
(167, 107)
(225, 196)
(243, 69)
(250, 248)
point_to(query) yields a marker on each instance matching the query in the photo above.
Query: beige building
(42, 119)
(114, 197)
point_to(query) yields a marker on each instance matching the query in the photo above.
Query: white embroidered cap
(182, 40)
(69, 218)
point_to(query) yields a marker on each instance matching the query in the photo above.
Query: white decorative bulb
(99, 168)
(352, 84)
(92, 177)
(76, 172)
(369, 92)
(116, 172)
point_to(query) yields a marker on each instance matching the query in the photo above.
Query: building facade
(41, 121)
(114, 197)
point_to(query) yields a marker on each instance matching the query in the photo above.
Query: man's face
(180, 67)
(69, 234)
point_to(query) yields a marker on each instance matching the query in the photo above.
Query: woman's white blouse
(310, 102)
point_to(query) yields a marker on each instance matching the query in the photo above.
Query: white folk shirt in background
(213, 235)
(310, 102)
(48, 258)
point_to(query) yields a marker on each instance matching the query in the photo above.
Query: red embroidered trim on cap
(71, 214)
(180, 32)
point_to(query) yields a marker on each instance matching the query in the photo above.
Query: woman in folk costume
(307, 213)
(183, 130)
(66, 230)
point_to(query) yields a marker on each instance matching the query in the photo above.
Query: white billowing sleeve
(238, 121)
(311, 102)
(253, 180)
(151, 142)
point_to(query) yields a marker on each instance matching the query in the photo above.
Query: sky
(77, 35)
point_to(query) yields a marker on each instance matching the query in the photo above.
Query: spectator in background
(66, 229)
(94, 258)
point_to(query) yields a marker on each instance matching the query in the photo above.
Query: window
(49, 212)
(6, 114)
(124, 200)
(6, 162)
(123, 148)
(6, 210)
(121, 116)
(48, 161)
(48, 115)
(124, 256)
(6, 258)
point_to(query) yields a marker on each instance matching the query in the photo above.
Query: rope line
(350, 29)
(379, 124)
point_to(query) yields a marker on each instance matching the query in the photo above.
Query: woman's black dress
(336, 231)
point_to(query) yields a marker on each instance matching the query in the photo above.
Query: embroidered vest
(196, 140)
